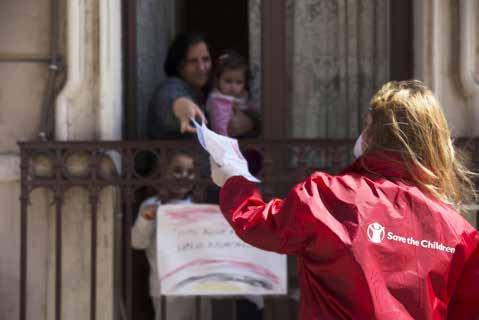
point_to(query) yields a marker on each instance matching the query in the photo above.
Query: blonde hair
(407, 119)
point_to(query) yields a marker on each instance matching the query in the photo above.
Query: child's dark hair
(179, 50)
(172, 154)
(231, 60)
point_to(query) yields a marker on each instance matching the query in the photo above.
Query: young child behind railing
(180, 175)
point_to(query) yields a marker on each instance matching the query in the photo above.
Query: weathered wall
(89, 107)
(76, 261)
(448, 67)
(339, 59)
(24, 32)
(10, 249)
(439, 58)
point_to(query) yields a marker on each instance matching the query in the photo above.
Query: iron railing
(135, 169)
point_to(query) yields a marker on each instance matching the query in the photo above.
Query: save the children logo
(377, 233)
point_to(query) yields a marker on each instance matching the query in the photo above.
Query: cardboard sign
(199, 254)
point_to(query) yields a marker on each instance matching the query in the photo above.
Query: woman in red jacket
(384, 239)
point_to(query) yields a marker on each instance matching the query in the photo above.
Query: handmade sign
(199, 254)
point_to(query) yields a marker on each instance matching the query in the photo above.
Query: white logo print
(375, 232)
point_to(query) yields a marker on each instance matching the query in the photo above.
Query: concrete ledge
(9, 168)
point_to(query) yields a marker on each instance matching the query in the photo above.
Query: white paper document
(224, 150)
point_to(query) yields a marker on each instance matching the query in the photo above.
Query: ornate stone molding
(110, 120)
(340, 58)
(90, 105)
(445, 35)
(468, 60)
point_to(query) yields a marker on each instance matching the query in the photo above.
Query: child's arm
(141, 233)
(247, 110)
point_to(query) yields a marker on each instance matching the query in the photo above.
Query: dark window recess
(401, 40)
(225, 23)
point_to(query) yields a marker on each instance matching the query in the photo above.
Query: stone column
(340, 58)
(88, 108)
(446, 58)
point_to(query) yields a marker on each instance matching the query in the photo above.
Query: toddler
(230, 92)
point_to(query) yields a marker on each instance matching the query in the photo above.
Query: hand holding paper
(225, 153)
(219, 175)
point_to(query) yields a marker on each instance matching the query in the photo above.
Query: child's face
(232, 82)
(180, 173)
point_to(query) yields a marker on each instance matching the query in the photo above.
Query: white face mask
(358, 147)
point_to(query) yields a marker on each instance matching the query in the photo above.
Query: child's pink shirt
(220, 108)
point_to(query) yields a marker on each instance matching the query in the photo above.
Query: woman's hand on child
(240, 124)
(149, 212)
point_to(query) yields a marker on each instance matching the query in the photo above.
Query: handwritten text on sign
(199, 254)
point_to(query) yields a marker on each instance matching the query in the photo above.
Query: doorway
(225, 23)
(150, 25)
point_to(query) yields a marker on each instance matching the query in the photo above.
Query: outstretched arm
(284, 226)
(170, 111)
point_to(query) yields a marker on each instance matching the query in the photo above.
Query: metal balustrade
(135, 169)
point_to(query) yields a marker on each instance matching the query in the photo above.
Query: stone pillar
(88, 108)
(90, 105)
(447, 58)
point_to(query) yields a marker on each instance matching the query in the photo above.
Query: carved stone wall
(340, 58)
(447, 58)
(89, 107)
(338, 51)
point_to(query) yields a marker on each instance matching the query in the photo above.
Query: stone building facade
(338, 55)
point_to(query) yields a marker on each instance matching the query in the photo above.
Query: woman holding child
(182, 95)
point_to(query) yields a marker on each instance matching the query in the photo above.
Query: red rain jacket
(369, 245)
